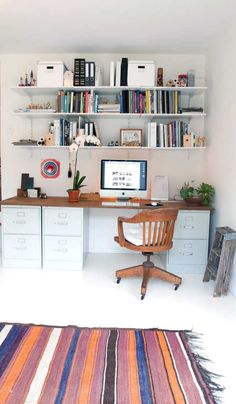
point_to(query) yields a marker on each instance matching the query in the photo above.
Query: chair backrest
(157, 230)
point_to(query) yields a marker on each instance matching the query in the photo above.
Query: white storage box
(141, 73)
(50, 74)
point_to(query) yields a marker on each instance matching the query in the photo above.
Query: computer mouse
(154, 203)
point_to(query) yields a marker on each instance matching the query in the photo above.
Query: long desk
(54, 233)
(60, 201)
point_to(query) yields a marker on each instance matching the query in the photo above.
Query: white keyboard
(120, 203)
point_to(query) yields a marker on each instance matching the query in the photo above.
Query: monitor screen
(124, 178)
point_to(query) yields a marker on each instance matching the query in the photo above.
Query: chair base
(146, 272)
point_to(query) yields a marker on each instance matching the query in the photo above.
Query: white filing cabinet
(21, 236)
(63, 238)
(190, 242)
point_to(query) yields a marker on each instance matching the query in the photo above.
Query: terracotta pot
(73, 195)
(194, 200)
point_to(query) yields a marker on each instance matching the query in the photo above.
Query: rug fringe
(210, 378)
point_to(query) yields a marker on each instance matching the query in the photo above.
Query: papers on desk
(120, 203)
(159, 187)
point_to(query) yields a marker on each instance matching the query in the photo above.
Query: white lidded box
(141, 73)
(50, 74)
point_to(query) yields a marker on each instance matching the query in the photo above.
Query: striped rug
(44, 364)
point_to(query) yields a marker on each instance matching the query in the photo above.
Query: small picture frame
(131, 137)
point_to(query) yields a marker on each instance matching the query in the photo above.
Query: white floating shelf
(110, 147)
(106, 115)
(101, 89)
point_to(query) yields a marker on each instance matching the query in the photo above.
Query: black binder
(124, 72)
(92, 73)
(79, 71)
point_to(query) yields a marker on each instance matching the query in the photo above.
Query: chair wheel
(176, 287)
(142, 297)
(118, 280)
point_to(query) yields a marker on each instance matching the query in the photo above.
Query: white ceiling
(156, 26)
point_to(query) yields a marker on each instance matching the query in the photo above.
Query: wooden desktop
(60, 201)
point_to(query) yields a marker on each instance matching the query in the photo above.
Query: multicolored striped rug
(44, 364)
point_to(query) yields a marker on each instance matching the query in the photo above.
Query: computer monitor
(123, 179)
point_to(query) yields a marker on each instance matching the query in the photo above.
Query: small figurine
(26, 80)
(183, 80)
(31, 77)
(177, 83)
(170, 83)
(160, 77)
(68, 78)
(41, 141)
(21, 84)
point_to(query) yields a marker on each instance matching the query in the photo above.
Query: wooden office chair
(154, 234)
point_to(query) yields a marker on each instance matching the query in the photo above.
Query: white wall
(179, 165)
(220, 163)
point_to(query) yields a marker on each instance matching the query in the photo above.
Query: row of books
(129, 101)
(150, 102)
(173, 134)
(65, 131)
(79, 102)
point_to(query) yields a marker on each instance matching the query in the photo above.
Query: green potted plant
(207, 193)
(200, 195)
(74, 192)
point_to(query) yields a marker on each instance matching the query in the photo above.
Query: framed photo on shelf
(131, 137)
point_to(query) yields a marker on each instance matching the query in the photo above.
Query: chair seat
(134, 236)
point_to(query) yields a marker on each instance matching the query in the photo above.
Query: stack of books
(106, 108)
(108, 104)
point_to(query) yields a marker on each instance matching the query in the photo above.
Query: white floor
(92, 298)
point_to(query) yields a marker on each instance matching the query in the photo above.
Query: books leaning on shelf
(65, 132)
(173, 134)
(119, 73)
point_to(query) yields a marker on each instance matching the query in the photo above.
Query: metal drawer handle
(61, 223)
(62, 215)
(185, 253)
(62, 242)
(61, 249)
(20, 214)
(22, 221)
(188, 227)
(21, 240)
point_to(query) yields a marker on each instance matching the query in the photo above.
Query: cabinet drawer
(21, 220)
(192, 225)
(187, 252)
(26, 247)
(65, 221)
(63, 248)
